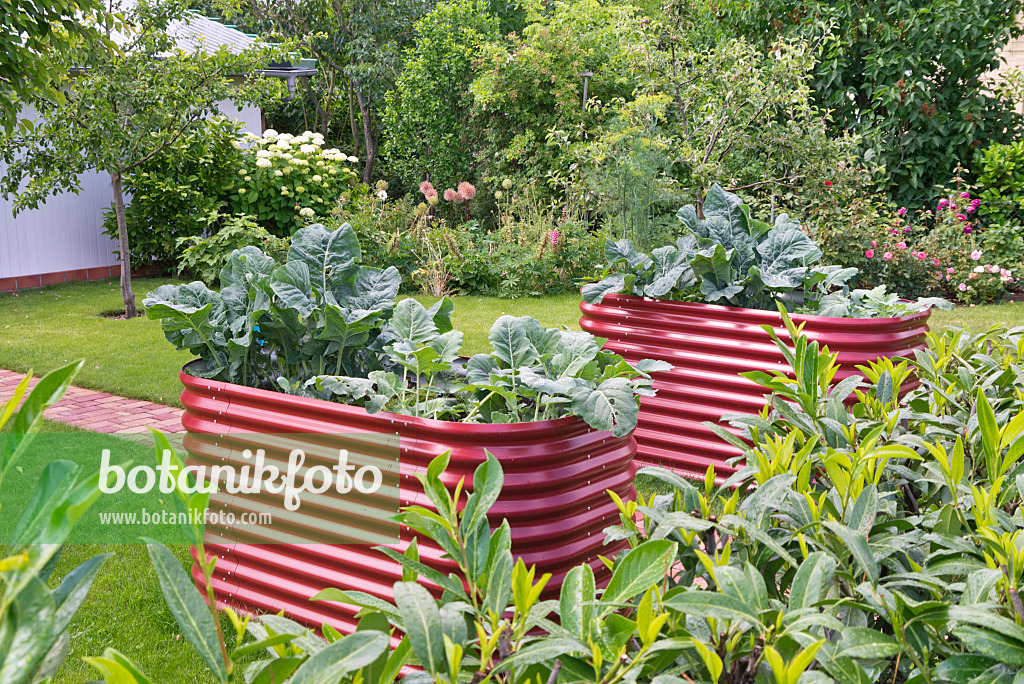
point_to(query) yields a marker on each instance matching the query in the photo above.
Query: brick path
(101, 412)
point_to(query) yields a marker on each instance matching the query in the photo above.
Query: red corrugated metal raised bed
(555, 499)
(709, 346)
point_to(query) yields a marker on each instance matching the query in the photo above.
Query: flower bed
(709, 346)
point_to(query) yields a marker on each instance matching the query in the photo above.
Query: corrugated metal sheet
(709, 346)
(556, 476)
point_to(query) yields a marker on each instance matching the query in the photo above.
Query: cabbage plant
(731, 258)
(324, 326)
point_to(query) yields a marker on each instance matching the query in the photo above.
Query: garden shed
(62, 240)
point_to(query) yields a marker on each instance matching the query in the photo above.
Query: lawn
(45, 329)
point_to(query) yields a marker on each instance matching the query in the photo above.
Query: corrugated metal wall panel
(557, 474)
(709, 346)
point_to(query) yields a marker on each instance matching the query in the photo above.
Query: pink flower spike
(976, 254)
(887, 256)
(870, 254)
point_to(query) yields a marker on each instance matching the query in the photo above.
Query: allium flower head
(426, 187)
(507, 183)
(467, 190)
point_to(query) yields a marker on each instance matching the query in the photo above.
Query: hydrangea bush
(285, 181)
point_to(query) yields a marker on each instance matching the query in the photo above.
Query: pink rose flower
(902, 211)
(943, 203)
(901, 245)
(962, 287)
(965, 195)
(936, 260)
(887, 256)
(950, 270)
(874, 243)
(976, 254)
(870, 254)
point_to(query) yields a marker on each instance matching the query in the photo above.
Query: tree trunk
(122, 238)
(371, 145)
(352, 120)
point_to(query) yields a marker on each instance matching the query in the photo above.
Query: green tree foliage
(427, 113)
(38, 41)
(359, 44)
(125, 109)
(908, 76)
(529, 92)
(174, 192)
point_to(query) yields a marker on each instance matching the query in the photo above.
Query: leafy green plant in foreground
(33, 618)
(878, 542)
(728, 257)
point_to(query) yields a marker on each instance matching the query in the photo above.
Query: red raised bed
(554, 497)
(709, 346)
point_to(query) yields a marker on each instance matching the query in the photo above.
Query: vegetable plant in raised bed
(702, 305)
(317, 345)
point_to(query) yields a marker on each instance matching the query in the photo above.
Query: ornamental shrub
(173, 192)
(284, 181)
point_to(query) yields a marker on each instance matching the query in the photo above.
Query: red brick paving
(101, 412)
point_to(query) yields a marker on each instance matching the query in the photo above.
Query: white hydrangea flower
(274, 148)
(241, 191)
(321, 164)
(237, 145)
(287, 169)
(251, 136)
(307, 212)
(241, 172)
(285, 137)
(278, 173)
(317, 178)
(263, 163)
(264, 153)
(248, 178)
(354, 160)
(308, 134)
(307, 149)
(334, 171)
(300, 189)
(286, 155)
(270, 133)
